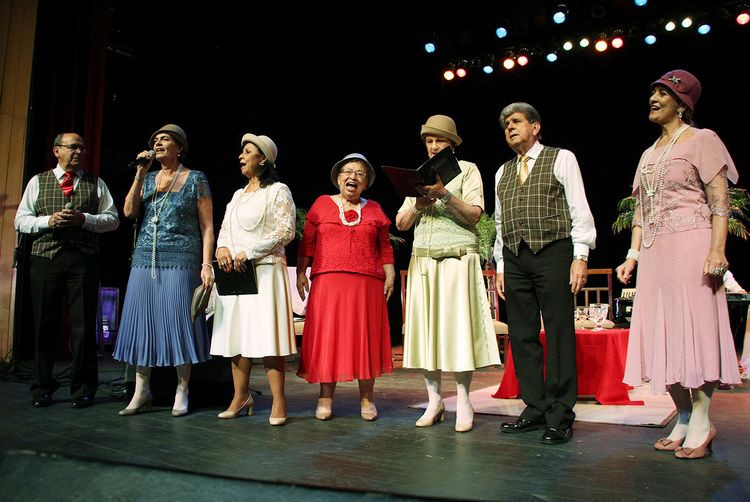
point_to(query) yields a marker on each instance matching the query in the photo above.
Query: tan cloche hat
(352, 156)
(176, 132)
(441, 125)
(265, 144)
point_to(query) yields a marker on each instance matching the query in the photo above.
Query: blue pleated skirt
(156, 328)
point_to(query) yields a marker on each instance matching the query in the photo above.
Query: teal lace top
(178, 238)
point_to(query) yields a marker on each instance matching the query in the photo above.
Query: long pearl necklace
(357, 209)
(158, 206)
(652, 191)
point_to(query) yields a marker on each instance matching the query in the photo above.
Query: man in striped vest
(65, 209)
(544, 232)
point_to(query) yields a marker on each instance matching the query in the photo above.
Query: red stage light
(743, 18)
(461, 73)
(617, 42)
(522, 60)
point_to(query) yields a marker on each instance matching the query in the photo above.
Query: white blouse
(260, 223)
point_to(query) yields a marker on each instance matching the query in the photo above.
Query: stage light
(640, 3)
(704, 29)
(429, 47)
(743, 18)
(488, 69)
(552, 57)
(670, 26)
(522, 60)
(650, 39)
(568, 45)
(501, 32)
(449, 75)
(601, 45)
(461, 72)
(508, 63)
(686, 23)
(617, 42)
(560, 14)
(584, 42)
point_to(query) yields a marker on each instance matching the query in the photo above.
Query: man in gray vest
(65, 209)
(544, 232)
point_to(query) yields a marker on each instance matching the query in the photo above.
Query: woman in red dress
(346, 334)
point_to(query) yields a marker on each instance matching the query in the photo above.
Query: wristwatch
(581, 257)
(446, 198)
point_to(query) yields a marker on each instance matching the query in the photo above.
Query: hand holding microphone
(142, 163)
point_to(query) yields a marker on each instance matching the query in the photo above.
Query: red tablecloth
(600, 360)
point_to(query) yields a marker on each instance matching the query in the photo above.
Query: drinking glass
(598, 312)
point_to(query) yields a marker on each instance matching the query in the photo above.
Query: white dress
(260, 223)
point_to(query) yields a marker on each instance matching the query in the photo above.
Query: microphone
(141, 160)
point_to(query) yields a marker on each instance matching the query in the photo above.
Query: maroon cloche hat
(683, 84)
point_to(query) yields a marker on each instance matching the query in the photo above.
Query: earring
(679, 113)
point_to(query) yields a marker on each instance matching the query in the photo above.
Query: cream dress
(260, 223)
(448, 324)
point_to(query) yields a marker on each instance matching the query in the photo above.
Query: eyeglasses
(357, 174)
(73, 148)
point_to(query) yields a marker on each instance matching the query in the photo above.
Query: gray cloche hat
(176, 132)
(348, 158)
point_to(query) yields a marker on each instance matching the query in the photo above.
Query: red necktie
(67, 183)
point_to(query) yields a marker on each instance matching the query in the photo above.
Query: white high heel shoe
(430, 420)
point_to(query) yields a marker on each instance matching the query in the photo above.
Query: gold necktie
(523, 173)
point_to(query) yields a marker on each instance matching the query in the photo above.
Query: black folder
(405, 181)
(236, 283)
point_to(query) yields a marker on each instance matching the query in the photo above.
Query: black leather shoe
(522, 425)
(82, 402)
(42, 401)
(555, 435)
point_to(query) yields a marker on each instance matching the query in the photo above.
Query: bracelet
(632, 255)
(446, 198)
(415, 210)
(207, 265)
(138, 179)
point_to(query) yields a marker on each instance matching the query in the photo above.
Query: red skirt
(347, 335)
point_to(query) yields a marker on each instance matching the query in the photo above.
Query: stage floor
(98, 455)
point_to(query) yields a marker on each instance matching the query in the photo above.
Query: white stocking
(464, 410)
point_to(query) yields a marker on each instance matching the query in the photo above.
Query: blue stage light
(552, 57)
(650, 39)
(558, 17)
(704, 29)
(429, 47)
(501, 32)
(488, 69)
(640, 3)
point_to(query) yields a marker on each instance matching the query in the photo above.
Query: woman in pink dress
(680, 337)
(346, 334)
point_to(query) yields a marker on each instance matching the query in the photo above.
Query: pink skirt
(347, 334)
(680, 331)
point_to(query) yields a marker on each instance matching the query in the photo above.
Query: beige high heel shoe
(430, 420)
(247, 408)
(323, 412)
(368, 411)
(699, 451)
(144, 406)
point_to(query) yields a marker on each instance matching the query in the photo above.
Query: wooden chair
(596, 291)
(500, 328)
